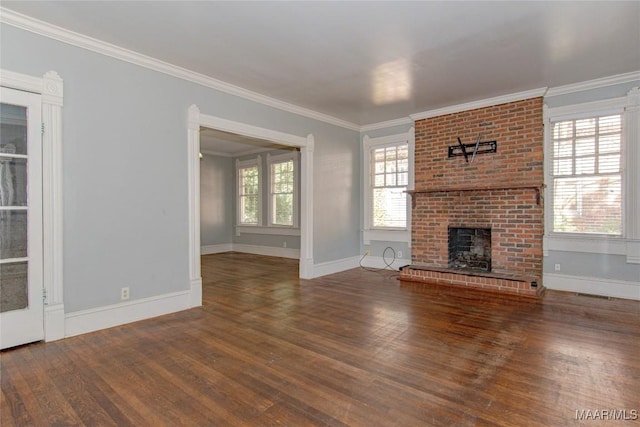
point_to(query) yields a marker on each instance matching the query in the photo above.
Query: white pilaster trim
(632, 155)
(306, 208)
(193, 171)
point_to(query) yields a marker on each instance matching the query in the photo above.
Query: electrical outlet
(124, 294)
(557, 267)
(399, 254)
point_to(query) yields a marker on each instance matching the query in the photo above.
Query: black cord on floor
(388, 266)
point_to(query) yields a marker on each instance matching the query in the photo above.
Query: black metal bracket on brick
(470, 151)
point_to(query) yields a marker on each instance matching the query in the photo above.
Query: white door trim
(306, 145)
(50, 86)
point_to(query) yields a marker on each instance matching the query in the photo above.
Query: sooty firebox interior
(470, 248)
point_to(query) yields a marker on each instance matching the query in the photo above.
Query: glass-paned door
(21, 304)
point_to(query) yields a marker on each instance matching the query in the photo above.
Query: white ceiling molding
(387, 124)
(45, 29)
(482, 103)
(594, 84)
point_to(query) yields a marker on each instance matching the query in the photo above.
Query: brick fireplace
(497, 192)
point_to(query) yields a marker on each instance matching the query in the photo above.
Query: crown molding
(387, 124)
(482, 103)
(46, 29)
(594, 84)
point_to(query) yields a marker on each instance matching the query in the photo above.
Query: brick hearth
(498, 191)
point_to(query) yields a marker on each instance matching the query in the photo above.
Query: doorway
(21, 233)
(306, 147)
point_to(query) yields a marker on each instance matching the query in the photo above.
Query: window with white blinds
(389, 180)
(587, 175)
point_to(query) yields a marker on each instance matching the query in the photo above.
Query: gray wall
(589, 265)
(216, 200)
(125, 170)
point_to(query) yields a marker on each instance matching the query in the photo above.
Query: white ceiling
(369, 62)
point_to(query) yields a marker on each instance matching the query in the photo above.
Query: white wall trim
(592, 285)
(267, 250)
(387, 124)
(51, 87)
(216, 249)
(45, 29)
(95, 319)
(54, 322)
(272, 230)
(403, 236)
(482, 103)
(193, 178)
(594, 84)
(379, 262)
(336, 266)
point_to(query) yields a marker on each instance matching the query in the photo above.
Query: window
(387, 176)
(249, 192)
(390, 177)
(587, 175)
(282, 191)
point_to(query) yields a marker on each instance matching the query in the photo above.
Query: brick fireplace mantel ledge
(537, 188)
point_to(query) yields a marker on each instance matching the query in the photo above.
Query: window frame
(391, 234)
(627, 243)
(276, 159)
(246, 164)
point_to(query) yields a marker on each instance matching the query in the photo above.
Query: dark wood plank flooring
(356, 348)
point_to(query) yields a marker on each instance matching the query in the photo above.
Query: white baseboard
(196, 292)
(53, 322)
(82, 322)
(379, 262)
(592, 285)
(251, 249)
(216, 249)
(330, 267)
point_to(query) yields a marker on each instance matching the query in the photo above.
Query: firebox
(470, 248)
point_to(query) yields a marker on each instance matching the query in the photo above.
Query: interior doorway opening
(303, 145)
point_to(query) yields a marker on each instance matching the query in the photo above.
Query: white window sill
(386, 236)
(273, 230)
(594, 244)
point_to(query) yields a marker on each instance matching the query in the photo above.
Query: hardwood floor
(355, 348)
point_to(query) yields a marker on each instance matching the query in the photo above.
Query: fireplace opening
(470, 248)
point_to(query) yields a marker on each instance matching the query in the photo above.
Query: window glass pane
(379, 167)
(609, 164)
(13, 181)
(390, 153)
(13, 292)
(610, 124)
(391, 179)
(609, 143)
(585, 127)
(389, 208)
(585, 146)
(249, 209)
(403, 178)
(378, 155)
(585, 165)
(13, 229)
(283, 209)
(403, 152)
(403, 165)
(379, 181)
(563, 148)
(563, 167)
(563, 130)
(13, 129)
(588, 205)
